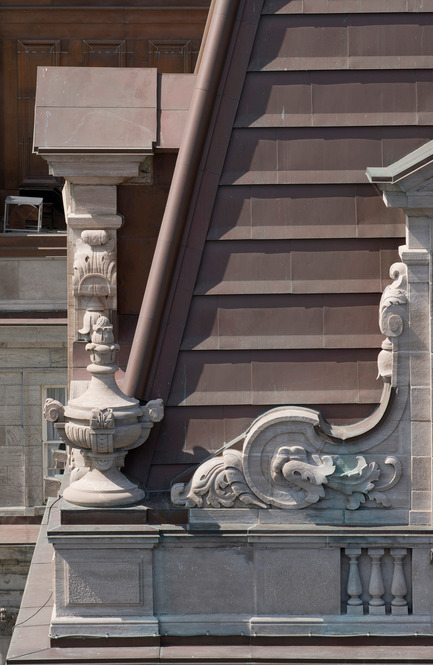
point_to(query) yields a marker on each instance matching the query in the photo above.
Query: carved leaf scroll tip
(53, 410)
(154, 410)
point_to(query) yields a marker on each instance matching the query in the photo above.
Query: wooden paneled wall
(91, 34)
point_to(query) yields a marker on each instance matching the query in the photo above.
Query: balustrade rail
(376, 580)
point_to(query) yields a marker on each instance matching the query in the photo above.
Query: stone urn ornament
(104, 424)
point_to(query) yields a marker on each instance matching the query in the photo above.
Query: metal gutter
(178, 203)
(205, 35)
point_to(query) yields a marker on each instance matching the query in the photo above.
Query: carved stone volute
(391, 321)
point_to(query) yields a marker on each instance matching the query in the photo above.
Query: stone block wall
(14, 565)
(32, 356)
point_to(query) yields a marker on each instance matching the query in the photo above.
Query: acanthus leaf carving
(94, 277)
(217, 483)
(209, 486)
(354, 478)
(236, 479)
(101, 419)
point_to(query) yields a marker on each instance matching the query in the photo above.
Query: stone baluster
(354, 586)
(398, 586)
(376, 589)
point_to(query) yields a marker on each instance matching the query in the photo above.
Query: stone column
(90, 202)
(354, 586)
(376, 589)
(418, 260)
(109, 137)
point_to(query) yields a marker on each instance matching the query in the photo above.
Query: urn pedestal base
(103, 489)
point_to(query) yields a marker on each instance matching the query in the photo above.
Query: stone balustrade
(382, 588)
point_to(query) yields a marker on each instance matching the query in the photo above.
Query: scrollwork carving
(390, 320)
(53, 410)
(208, 487)
(268, 475)
(154, 411)
(217, 483)
(290, 466)
(282, 465)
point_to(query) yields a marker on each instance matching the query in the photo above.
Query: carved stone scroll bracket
(293, 459)
(279, 467)
(103, 424)
(392, 311)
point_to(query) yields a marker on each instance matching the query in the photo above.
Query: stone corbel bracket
(391, 322)
(292, 458)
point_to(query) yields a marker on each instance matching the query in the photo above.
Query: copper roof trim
(178, 203)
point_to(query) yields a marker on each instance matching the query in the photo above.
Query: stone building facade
(33, 267)
(288, 496)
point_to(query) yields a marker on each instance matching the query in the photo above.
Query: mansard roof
(274, 247)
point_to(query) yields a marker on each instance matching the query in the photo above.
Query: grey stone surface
(76, 108)
(220, 578)
(292, 581)
(239, 579)
(33, 284)
(104, 581)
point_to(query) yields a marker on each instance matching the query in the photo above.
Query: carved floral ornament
(283, 463)
(94, 279)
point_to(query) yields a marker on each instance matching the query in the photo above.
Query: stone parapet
(237, 579)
